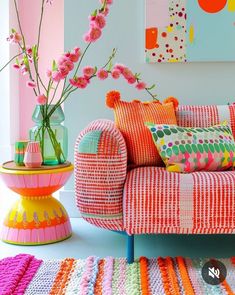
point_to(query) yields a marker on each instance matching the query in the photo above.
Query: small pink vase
(33, 155)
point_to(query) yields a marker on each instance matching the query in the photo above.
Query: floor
(89, 240)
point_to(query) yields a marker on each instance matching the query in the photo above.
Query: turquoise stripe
(90, 142)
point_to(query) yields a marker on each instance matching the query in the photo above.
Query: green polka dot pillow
(194, 149)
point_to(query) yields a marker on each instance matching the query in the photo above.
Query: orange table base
(37, 218)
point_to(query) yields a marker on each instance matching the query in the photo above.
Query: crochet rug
(24, 274)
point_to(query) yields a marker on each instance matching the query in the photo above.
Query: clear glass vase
(51, 134)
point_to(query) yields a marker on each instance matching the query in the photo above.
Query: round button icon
(214, 272)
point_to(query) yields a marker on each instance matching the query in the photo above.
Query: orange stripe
(60, 283)
(172, 276)
(144, 276)
(188, 288)
(227, 288)
(98, 290)
(163, 269)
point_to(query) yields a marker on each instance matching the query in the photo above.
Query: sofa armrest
(100, 173)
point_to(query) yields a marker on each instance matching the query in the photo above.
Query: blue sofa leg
(130, 249)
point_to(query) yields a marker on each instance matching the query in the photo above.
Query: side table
(36, 218)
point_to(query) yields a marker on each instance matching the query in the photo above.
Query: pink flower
(82, 82)
(119, 67)
(102, 74)
(88, 71)
(87, 38)
(62, 60)
(16, 66)
(79, 82)
(116, 74)
(73, 82)
(41, 99)
(131, 80)
(31, 84)
(29, 50)
(63, 70)
(141, 85)
(127, 73)
(108, 2)
(49, 73)
(74, 56)
(14, 38)
(99, 21)
(56, 76)
(24, 70)
(93, 34)
(69, 64)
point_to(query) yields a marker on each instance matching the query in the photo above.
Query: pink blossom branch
(11, 61)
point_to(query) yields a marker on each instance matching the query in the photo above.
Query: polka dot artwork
(189, 30)
(170, 44)
(194, 149)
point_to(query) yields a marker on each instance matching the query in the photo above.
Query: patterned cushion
(130, 118)
(194, 149)
(158, 201)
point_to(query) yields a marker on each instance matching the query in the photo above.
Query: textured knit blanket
(24, 274)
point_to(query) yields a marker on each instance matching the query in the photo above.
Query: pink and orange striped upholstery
(100, 176)
(150, 199)
(206, 116)
(157, 201)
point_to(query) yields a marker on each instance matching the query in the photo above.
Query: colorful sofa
(150, 200)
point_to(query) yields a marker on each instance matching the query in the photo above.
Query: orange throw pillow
(130, 118)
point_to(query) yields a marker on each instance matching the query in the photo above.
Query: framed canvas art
(190, 30)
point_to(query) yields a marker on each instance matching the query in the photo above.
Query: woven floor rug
(24, 274)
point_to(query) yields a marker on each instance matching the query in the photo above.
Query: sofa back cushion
(205, 116)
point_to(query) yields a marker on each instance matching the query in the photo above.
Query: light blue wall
(192, 83)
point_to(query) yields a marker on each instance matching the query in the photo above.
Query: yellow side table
(36, 218)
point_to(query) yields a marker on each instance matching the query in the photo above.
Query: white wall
(191, 83)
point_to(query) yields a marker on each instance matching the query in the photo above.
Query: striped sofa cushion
(205, 116)
(157, 201)
(130, 118)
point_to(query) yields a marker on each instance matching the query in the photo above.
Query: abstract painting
(190, 30)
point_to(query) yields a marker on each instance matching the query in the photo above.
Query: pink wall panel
(52, 45)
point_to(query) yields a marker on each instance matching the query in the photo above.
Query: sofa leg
(130, 249)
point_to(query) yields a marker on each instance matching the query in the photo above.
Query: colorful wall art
(190, 30)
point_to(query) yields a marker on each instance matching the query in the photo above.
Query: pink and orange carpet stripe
(24, 274)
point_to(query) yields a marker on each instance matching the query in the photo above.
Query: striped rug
(24, 274)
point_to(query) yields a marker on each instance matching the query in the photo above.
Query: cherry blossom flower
(141, 85)
(41, 99)
(116, 74)
(98, 21)
(56, 76)
(102, 74)
(14, 38)
(31, 84)
(88, 71)
(93, 34)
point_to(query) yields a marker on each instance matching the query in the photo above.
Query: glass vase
(51, 134)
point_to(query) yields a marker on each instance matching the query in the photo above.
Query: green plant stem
(112, 56)
(10, 61)
(54, 93)
(24, 45)
(36, 65)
